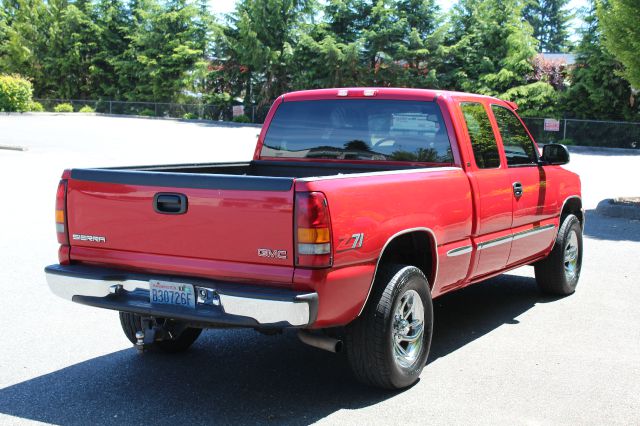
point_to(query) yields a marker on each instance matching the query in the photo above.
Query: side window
(483, 142)
(518, 147)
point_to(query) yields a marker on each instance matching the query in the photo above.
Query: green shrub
(147, 112)
(63, 108)
(190, 116)
(36, 107)
(567, 141)
(15, 93)
(241, 119)
(86, 108)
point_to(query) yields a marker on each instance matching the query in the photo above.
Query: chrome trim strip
(459, 251)
(406, 231)
(383, 173)
(534, 231)
(516, 236)
(265, 311)
(495, 242)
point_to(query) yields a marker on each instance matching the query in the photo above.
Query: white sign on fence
(238, 110)
(551, 125)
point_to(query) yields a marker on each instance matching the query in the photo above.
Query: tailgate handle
(170, 203)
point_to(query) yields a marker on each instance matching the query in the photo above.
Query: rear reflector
(64, 255)
(313, 230)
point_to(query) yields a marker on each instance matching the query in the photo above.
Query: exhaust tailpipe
(320, 341)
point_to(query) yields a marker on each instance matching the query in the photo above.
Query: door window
(518, 146)
(485, 148)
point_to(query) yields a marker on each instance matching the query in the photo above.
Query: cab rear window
(358, 129)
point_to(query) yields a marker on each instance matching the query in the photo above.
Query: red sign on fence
(238, 110)
(551, 125)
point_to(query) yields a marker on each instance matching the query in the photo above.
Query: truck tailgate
(244, 219)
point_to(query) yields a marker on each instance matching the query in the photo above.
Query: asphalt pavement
(502, 352)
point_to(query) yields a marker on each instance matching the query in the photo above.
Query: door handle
(517, 189)
(170, 203)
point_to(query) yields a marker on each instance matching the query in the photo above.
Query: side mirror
(555, 154)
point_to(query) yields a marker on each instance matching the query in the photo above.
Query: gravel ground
(502, 353)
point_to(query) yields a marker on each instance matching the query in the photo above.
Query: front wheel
(560, 271)
(388, 345)
(183, 338)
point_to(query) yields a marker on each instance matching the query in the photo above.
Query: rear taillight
(61, 213)
(313, 230)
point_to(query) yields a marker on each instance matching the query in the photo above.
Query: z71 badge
(351, 242)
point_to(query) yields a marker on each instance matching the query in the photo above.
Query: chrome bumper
(235, 304)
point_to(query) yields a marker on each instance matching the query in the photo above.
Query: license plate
(168, 293)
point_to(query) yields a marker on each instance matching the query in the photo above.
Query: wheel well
(572, 206)
(415, 248)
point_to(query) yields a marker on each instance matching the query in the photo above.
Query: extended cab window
(483, 142)
(359, 129)
(518, 147)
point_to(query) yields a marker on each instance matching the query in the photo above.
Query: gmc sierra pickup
(359, 207)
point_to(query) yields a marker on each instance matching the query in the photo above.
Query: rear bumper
(235, 304)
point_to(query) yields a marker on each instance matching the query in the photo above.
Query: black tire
(370, 338)
(131, 323)
(554, 274)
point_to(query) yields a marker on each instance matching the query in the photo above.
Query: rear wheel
(388, 345)
(178, 340)
(560, 271)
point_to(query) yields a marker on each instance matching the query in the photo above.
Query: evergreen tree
(490, 50)
(73, 43)
(163, 49)
(382, 38)
(321, 60)
(620, 24)
(4, 25)
(347, 18)
(550, 22)
(489, 47)
(26, 31)
(395, 40)
(174, 50)
(597, 90)
(260, 44)
(205, 26)
(114, 21)
(422, 38)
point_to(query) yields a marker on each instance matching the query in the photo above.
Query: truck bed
(232, 212)
(292, 169)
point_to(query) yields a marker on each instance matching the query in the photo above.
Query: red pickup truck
(360, 206)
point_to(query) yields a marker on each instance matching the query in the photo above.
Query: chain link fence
(252, 114)
(609, 134)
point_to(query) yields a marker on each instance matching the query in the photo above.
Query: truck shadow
(466, 315)
(240, 376)
(603, 227)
